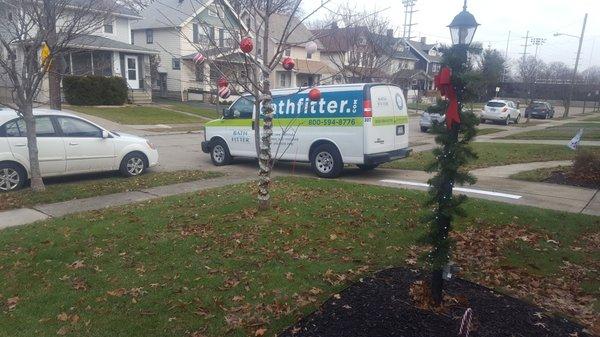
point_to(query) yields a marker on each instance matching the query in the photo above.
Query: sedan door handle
(73, 143)
(21, 145)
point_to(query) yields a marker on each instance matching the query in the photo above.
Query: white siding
(167, 42)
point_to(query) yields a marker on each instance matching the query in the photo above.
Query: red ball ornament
(224, 92)
(222, 82)
(314, 94)
(246, 45)
(288, 63)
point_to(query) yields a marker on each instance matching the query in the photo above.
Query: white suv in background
(68, 144)
(500, 111)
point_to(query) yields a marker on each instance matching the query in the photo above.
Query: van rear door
(380, 133)
(401, 118)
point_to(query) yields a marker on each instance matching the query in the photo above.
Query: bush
(586, 168)
(95, 90)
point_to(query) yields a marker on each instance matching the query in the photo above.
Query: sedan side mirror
(105, 134)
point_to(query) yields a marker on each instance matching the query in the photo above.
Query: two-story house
(178, 30)
(429, 62)
(106, 50)
(361, 55)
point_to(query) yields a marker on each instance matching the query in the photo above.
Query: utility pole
(526, 37)
(506, 57)
(409, 9)
(568, 107)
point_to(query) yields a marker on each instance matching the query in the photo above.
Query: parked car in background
(68, 144)
(500, 111)
(428, 120)
(540, 110)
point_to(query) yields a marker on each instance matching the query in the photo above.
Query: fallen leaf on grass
(260, 332)
(12, 302)
(77, 265)
(117, 292)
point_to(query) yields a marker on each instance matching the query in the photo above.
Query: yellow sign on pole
(45, 55)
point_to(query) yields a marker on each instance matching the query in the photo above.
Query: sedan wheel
(11, 178)
(134, 164)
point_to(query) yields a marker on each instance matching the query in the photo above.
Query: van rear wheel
(326, 161)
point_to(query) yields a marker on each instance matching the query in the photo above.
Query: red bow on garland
(443, 82)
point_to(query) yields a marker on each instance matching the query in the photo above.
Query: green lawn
(591, 131)
(539, 175)
(138, 115)
(207, 264)
(495, 154)
(85, 186)
(193, 107)
(487, 131)
(593, 119)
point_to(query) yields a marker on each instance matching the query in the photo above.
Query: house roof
(169, 13)
(101, 43)
(114, 7)
(300, 36)
(411, 74)
(343, 39)
(423, 50)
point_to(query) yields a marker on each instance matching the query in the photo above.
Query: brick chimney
(423, 40)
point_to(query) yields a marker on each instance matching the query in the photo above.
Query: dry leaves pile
(480, 253)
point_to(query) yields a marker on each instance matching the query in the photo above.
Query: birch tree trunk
(37, 184)
(264, 159)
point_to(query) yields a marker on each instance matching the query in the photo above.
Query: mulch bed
(381, 306)
(561, 177)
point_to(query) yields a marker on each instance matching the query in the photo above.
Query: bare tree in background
(252, 74)
(23, 34)
(362, 50)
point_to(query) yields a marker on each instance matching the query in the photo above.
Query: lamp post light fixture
(463, 27)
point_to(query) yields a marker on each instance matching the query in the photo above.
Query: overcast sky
(542, 18)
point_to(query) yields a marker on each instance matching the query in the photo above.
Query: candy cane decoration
(199, 58)
(466, 328)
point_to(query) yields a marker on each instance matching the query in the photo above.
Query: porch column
(293, 79)
(116, 64)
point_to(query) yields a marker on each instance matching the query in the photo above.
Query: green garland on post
(450, 158)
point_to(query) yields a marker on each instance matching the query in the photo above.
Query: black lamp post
(452, 156)
(463, 27)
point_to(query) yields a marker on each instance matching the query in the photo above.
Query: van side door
(238, 127)
(400, 118)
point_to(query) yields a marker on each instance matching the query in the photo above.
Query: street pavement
(182, 151)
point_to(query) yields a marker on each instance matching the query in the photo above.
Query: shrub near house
(95, 90)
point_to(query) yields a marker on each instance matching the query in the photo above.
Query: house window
(132, 37)
(149, 36)
(108, 27)
(211, 33)
(288, 52)
(212, 11)
(308, 55)
(176, 63)
(249, 23)
(195, 33)
(199, 72)
(284, 80)
(259, 46)
(221, 37)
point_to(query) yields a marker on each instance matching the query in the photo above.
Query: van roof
(353, 86)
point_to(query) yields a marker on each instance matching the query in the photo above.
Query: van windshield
(496, 104)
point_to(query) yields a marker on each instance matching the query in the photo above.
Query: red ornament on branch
(224, 92)
(222, 82)
(246, 45)
(443, 82)
(288, 63)
(314, 94)
(199, 58)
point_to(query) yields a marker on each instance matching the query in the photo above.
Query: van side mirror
(105, 134)
(226, 113)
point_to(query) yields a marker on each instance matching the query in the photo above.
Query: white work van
(363, 124)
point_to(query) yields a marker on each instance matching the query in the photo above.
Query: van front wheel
(219, 153)
(326, 161)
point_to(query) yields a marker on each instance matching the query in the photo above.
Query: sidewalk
(24, 216)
